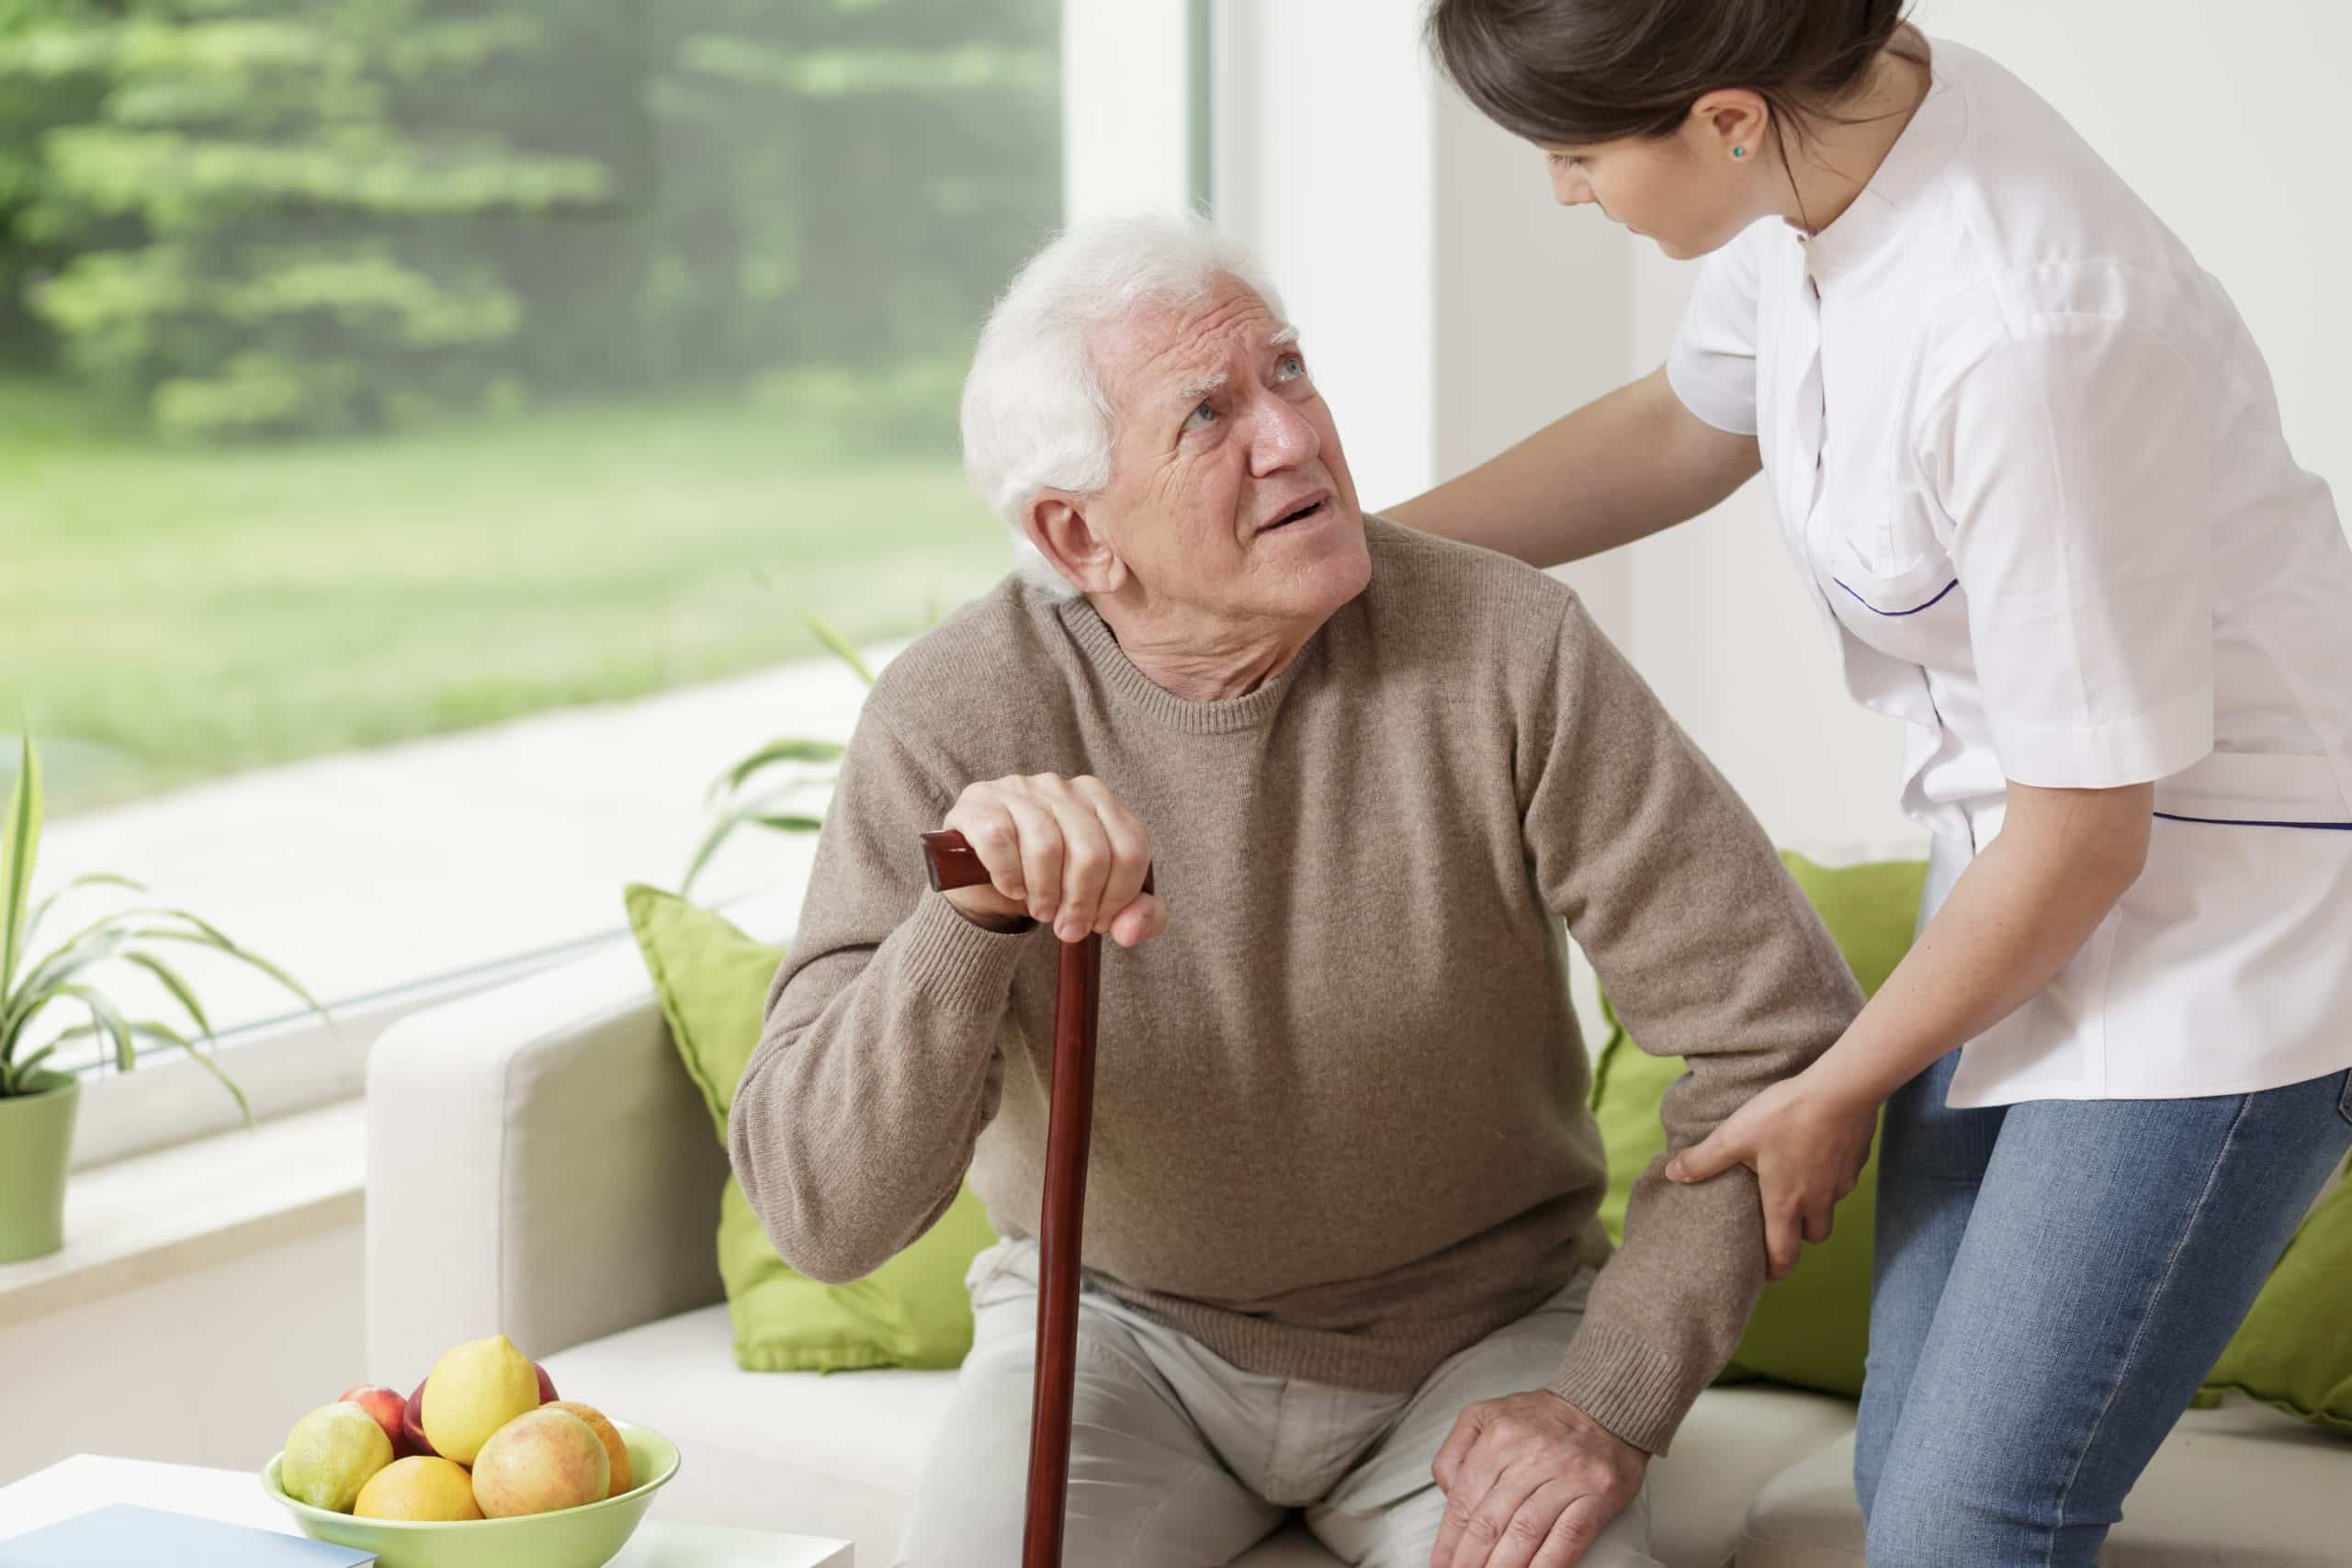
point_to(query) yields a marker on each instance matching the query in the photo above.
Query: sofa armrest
(539, 1166)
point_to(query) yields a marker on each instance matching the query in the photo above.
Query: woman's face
(1688, 190)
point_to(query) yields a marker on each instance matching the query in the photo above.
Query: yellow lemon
(422, 1486)
(475, 1388)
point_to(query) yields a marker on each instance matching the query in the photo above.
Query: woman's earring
(1739, 151)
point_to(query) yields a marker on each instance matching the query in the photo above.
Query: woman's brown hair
(1573, 73)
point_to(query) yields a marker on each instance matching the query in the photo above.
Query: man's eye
(1291, 366)
(1200, 417)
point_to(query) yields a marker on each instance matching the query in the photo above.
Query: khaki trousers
(1180, 1459)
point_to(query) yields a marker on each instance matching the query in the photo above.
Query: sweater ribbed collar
(1225, 717)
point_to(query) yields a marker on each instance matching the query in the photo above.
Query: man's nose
(1283, 437)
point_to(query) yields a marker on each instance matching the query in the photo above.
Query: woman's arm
(2019, 914)
(1619, 469)
(2015, 917)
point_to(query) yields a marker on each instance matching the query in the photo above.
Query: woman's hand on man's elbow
(1807, 1149)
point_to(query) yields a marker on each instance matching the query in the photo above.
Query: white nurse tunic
(2031, 463)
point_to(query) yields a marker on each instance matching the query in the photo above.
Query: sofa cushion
(824, 1454)
(838, 1454)
(1734, 1441)
(2241, 1484)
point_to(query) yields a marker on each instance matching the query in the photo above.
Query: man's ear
(1057, 523)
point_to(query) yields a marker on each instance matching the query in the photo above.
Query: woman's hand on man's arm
(2017, 916)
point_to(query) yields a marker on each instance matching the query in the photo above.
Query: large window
(376, 375)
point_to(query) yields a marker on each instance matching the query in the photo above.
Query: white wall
(1124, 108)
(208, 1368)
(1452, 307)
(1446, 309)
(1340, 217)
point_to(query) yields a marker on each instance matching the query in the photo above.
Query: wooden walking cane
(1069, 1126)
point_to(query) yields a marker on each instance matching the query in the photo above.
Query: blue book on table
(121, 1536)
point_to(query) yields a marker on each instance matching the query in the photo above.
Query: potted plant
(38, 1104)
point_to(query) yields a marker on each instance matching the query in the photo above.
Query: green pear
(330, 1454)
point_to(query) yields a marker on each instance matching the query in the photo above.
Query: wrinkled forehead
(1172, 353)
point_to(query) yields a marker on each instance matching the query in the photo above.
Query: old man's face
(1229, 491)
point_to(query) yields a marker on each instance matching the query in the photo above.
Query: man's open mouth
(1309, 513)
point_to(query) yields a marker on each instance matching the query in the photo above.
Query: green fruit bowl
(585, 1536)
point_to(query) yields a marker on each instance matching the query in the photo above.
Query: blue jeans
(2053, 1280)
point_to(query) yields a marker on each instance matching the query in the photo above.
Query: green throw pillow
(2294, 1350)
(1812, 1329)
(912, 1312)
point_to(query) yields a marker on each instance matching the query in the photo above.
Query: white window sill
(159, 1215)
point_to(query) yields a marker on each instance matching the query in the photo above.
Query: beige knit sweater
(1341, 1116)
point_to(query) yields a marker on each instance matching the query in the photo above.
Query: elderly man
(1340, 1247)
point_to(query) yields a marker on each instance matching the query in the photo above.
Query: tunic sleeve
(1713, 366)
(2074, 464)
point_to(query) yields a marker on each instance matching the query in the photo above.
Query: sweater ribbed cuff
(1628, 1385)
(959, 965)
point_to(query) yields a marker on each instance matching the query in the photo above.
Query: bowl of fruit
(481, 1467)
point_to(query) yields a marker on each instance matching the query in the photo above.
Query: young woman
(2030, 465)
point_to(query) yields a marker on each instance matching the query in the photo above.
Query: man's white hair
(1035, 414)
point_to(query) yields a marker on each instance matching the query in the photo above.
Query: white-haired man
(1340, 1246)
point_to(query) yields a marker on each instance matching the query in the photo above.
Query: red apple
(384, 1403)
(412, 1439)
(547, 1385)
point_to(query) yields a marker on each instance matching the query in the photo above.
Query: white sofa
(538, 1165)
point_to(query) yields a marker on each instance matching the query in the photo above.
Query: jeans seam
(2139, 1336)
(2344, 1101)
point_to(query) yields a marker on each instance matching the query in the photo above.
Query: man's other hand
(1530, 1481)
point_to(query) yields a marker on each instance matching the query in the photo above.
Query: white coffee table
(234, 1497)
